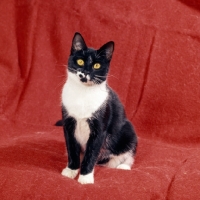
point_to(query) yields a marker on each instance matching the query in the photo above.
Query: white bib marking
(81, 101)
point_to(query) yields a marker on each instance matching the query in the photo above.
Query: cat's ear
(106, 50)
(78, 43)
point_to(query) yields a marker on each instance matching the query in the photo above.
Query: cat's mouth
(86, 82)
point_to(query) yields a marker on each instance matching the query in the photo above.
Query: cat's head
(87, 65)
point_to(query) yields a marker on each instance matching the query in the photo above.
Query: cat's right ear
(78, 43)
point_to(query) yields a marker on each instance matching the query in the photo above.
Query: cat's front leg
(86, 179)
(93, 147)
(70, 173)
(73, 148)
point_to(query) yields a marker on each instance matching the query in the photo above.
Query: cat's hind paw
(86, 179)
(124, 167)
(70, 173)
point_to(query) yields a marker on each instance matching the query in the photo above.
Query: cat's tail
(59, 123)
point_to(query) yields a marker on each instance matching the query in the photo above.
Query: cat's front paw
(86, 179)
(70, 173)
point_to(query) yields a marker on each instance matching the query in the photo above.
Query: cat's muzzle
(83, 77)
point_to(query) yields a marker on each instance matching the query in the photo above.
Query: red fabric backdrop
(155, 70)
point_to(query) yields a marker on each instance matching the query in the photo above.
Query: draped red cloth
(155, 70)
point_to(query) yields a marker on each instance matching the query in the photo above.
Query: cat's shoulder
(112, 94)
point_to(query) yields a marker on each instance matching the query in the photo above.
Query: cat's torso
(81, 102)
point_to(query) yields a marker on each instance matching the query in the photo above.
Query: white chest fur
(81, 101)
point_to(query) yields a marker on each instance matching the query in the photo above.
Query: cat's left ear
(78, 43)
(107, 50)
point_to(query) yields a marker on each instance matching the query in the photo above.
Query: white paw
(86, 179)
(124, 166)
(70, 173)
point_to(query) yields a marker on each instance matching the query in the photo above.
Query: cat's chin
(88, 83)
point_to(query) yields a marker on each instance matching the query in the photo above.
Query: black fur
(110, 131)
(101, 56)
(73, 148)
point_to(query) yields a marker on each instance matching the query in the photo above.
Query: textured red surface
(155, 70)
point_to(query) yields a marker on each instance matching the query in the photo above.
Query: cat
(95, 126)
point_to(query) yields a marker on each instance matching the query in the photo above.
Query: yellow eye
(80, 62)
(96, 66)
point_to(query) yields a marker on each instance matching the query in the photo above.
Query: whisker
(94, 81)
(74, 70)
(62, 76)
(101, 76)
(97, 80)
(109, 75)
(62, 65)
(58, 86)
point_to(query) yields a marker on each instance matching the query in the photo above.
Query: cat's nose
(81, 74)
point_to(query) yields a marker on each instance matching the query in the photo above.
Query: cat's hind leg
(122, 161)
(127, 143)
(128, 162)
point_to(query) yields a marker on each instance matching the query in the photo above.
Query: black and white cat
(95, 125)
